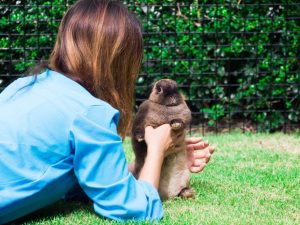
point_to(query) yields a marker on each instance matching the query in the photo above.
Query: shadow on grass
(58, 209)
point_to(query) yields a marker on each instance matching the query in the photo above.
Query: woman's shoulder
(50, 91)
(68, 93)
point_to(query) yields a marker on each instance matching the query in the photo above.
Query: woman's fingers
(206, 155)
(193, 140)
(211, 149)
(202, 155)
(199, 158)
(201, 145)
(208, 149)
(197, 169)
(198, 153)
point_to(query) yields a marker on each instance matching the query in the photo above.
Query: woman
(62, 127)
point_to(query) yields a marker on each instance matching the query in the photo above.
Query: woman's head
(99, 44)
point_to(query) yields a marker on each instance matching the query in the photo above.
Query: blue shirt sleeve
(101, 169)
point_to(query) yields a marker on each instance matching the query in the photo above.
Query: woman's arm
(158, 141)
(199, 153)
(101, 169)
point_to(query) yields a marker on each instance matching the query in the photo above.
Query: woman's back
(35, 121)
(36, 141)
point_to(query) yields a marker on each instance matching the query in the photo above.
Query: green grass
(251, 179)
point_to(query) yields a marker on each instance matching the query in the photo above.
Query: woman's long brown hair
(99, 45)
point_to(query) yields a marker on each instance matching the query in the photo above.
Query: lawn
(251, 179)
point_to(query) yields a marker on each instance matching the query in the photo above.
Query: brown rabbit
(165, 105)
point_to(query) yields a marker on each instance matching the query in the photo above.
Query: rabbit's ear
(151, 87)
(158, 89)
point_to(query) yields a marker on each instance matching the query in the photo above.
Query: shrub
(233, 59)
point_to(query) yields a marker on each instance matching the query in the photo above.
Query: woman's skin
(158, 141)
(198, 153)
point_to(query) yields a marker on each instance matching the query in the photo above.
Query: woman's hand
(198, 154)
(158, 139)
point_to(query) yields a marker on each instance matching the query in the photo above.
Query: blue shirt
(53, 134)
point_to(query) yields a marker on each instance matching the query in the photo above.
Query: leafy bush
(233, 59)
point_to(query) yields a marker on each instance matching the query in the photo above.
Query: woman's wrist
(155, 152)
(152, 167)
(158, 140)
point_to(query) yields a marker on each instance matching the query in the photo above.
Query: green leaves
(224, 54)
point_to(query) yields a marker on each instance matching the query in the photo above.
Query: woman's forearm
(158, 141)
(151, 169)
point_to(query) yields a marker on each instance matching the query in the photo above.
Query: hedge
(234, 60)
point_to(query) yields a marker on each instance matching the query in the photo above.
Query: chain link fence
(237, 62)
